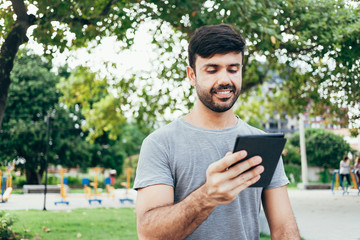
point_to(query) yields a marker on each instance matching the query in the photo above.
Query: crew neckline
(183, 121)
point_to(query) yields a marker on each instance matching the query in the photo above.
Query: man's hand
(224, 181)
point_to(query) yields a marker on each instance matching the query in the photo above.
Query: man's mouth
(224, 91)
(223, 94)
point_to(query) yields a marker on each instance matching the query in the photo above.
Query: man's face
(217, 80)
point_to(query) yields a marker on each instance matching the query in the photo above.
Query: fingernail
(258, 159)
(260, 169)
(243, 153)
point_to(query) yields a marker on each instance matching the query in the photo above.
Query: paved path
(320, 214)
(36, 201)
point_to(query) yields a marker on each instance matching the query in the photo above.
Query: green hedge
(294, 170)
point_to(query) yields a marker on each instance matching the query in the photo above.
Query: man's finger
(228, 160)
(243, 166)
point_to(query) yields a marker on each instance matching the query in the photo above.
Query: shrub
(51, 180)
(325, 176)
(5, 226)
(74, 181)
(293, 172)
(323, 148)
(6, 232)
(19, 182)
(291, 154)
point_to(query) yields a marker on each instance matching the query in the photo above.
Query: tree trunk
(32, 177)
(8, 50)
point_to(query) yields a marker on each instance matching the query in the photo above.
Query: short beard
(207, 100)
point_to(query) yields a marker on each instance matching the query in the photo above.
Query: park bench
(318, 186)
(41, 188)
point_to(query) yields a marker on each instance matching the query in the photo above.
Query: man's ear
(191, 75)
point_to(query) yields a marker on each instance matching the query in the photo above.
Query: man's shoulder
(165, 131)
(245, 128)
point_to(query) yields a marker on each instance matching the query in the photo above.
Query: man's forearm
(289, 231)
(175, 221)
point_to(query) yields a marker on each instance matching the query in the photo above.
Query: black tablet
(268, 146)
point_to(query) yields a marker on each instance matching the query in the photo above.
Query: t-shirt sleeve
(153, 166)
(279, 178)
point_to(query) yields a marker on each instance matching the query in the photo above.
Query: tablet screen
(268, 146)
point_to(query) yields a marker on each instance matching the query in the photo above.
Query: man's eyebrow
(217, 65)
(234, 65)
(210, 65)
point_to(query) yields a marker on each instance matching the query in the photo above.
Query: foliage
(108, 153)
(286, 38)
(325, 176)
(252, 107)
(320, 37)
(293, 172)
(63, 24)
(18, 181)
(51, 180)
(32, 97)
(354, 132)
(74, 181)
(6, 228)
(83, 90)
(313, 45)
(59, 25)
(291, 154)
(323, 148)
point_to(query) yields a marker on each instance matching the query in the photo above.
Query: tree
(291, 154)
(314, 43)
(323, 148)
(32, 99)
(321, 37)
(59, 25)
(310, 50)
(113, 153)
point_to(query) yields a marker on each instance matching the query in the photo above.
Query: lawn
(99, 223)
(89, 224)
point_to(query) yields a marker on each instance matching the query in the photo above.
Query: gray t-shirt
(178, 155)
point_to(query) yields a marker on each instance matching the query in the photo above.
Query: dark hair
(213, 39)
(345, 158)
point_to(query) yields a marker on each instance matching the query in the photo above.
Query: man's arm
(279, 214)
(159, 218)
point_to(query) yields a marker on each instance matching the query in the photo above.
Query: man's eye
(211, 70)
(232, 71)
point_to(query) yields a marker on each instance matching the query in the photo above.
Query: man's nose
(223, 78)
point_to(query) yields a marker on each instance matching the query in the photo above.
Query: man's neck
(205, 118)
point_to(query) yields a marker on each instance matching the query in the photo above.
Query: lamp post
(304, 169)
(46, 157)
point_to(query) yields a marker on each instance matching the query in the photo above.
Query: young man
(185, 186)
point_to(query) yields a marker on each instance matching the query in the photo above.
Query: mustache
(221, 87)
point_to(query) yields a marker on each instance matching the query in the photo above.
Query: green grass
(17, 191)
(292, 185)
(99, 223)
(263, 236)
(77, 190)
